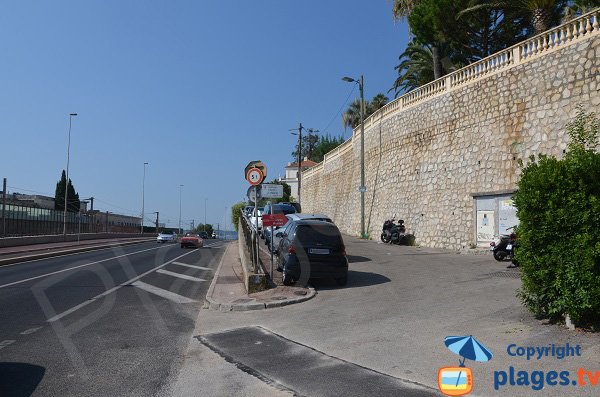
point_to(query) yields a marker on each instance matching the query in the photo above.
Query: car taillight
(291, 249)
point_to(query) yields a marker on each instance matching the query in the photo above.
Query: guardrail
(255, 277)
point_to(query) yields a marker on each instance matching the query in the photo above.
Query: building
(38, 201)
(291, 175)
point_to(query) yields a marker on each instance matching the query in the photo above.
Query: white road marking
(192, 266)
(71, 310)
(75, 267)
(7, 342)
(30, 330)
(172, 296)
(183, 276)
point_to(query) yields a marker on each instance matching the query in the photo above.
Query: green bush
(558, 203)
(235, 213)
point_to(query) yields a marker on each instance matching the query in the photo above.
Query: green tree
(208, 228)
(558, 203)
(415, 68)
(236, 213)
(73, 203)
(325, 145)
(309, 140)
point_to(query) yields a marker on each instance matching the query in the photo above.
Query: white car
(252, 221)
(167, 237)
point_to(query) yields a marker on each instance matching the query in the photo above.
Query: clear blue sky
(196, 88)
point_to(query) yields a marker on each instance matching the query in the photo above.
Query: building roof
(303, 164)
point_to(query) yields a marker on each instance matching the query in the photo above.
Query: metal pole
(205, 200)
(143, 190)
(180, 186)
(256, 223)
(4, 208)
(79, 228)
(362, 157)
(67, 177)
(299, 160)
(272, 237)
(157, 222)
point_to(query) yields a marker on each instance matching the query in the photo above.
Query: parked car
(204, 235)
(214, 235)
(277, 209)
(295, 217)
(192, 240)
(252, 219)
(295, 205)
(312, 249)
(167, 237)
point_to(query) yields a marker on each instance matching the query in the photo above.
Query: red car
(192, 240)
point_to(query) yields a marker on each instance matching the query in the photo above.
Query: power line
(341, 108)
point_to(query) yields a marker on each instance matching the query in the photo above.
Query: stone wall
(425, 161)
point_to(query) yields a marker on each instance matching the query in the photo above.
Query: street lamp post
(362, 188)
(143, 191)
(67, 176)
(180, 186)
(205, 200)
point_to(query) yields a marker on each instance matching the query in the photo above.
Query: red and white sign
(276, 220)
(254, 176)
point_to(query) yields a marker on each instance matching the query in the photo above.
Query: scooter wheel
(499, 255)
(384, 238)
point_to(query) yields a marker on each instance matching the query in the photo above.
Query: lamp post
(180, 186)
(362, 188)
(298, 176)
(143, 191)
(205, 200)
(67, 176)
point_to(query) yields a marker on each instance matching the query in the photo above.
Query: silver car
(167, 237)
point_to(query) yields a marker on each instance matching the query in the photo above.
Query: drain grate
(506, 274)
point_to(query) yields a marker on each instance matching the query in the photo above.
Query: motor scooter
(504, 247)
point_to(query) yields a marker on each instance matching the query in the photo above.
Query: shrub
(558, 203)
(235, 213)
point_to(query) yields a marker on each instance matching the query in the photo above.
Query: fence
(31, 221)
(251, 240)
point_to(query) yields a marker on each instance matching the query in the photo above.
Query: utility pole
(67, 178)
(299, 133)
(218, 230)
(156, 221)
(4, 208)
(106, 224)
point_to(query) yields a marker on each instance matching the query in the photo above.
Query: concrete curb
(242, 307)
(43, 255)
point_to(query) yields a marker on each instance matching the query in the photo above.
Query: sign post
(255, 172)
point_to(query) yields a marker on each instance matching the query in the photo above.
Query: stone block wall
(424, 163)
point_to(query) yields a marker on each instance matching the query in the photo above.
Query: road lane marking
(75, 267)
(179, 275)
(7, 342)
(30, 330)
(172, 296)
(71, 310)
(192, 266)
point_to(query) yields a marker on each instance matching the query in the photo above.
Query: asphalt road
(107, 322)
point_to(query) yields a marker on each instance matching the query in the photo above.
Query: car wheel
(342, 281)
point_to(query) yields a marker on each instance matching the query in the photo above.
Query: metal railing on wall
(251, 239)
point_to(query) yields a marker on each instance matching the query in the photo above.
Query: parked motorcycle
(504, 247)
(393, 233)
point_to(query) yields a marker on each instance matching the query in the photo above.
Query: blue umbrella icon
(467, 347)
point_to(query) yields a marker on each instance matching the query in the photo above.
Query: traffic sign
(275, 220)
(254, 176)
(272, 190)
(252, 192)
(256, 164)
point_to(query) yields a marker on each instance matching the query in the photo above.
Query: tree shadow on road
(356, 279)
(19, 379)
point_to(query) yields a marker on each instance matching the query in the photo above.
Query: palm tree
(415, 68)
(402, 8)
(351, 117)
(541, 13)
(579, 7)
(378, 101)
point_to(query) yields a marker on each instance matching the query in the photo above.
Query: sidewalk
(227, 292)
(9, 255)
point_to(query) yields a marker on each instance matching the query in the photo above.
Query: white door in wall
(485, 227)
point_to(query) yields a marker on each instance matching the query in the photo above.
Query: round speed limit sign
(254, 176)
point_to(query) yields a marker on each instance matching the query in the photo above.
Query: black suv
(312, 249)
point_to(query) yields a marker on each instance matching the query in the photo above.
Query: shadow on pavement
(355, 279)
(19, 379)
(357, 259)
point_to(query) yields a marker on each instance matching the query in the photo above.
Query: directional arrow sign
(276, 220)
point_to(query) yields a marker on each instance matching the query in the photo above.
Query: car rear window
(324, 234)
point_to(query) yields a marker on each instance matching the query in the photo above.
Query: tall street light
(180, 186)
(143, 191)
(67, 176)
(362, 188)
(205, 200)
